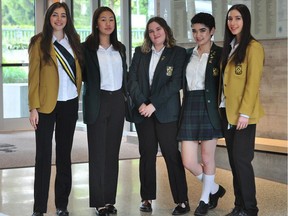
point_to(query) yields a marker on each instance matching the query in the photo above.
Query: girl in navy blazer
(154, 82)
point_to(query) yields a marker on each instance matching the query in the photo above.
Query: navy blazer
(212, 78)
(164, 91)
(91, 79)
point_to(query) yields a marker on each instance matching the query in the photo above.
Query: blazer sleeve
(34, 76)
(133, 80)
(255, 61)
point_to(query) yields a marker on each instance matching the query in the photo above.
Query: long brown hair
(47, 33)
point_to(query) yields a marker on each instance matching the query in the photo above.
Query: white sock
(214, 188)
(200, 177)
(208, 181)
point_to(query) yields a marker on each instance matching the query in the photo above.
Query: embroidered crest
(215, 72)
(169, 70)
(238, 69)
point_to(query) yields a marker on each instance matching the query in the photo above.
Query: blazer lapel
(53, 55)
(162, 63)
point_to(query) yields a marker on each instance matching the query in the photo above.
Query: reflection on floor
(16, 193)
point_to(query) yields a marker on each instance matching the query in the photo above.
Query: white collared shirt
(233, 48)
(111, 70)
(67, 89)
(195, 71)
(155, 56)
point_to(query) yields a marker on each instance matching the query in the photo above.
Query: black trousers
(240, 146)
(62, 120)
(150, 133)
(104, 139)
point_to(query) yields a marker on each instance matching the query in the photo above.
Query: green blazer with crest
(212, 80)
(164, 92)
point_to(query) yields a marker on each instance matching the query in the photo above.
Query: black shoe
(213, 198)
(242, 213)
(111, 209)
(102, 211)
(236, 210)
(202, 209)
(37, 214)
(145, 206)
(62, 212)
(179, 210)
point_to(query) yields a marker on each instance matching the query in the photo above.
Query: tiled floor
(16, 193)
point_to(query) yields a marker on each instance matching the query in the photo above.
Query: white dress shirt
(155, 56)
(111, 70)
(195, 71)
(67, 89)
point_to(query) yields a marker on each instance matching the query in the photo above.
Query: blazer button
(208, 101)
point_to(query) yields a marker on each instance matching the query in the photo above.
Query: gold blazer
(43, 80)
(241, 85)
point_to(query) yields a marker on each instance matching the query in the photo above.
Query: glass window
(18, 26)
(141, 12)
(82, 18)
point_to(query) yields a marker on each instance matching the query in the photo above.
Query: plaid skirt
(195, 124)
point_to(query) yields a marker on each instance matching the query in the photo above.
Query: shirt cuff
(243, 115)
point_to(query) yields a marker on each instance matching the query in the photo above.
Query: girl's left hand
(147, 111)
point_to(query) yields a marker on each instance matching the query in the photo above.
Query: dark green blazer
(212, 77)
(167, 80)
(91, 79)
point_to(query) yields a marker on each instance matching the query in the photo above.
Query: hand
(242, 123)
(34, 118)
(146, 110)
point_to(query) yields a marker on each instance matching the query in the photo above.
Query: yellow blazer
(43, 80)
(241, 85)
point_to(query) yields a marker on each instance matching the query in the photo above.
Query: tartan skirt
(195, 124)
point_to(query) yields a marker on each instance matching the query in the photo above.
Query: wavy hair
(170, 41)
(47, 33)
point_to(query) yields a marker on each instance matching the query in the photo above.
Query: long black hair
(93, 39)
(47, 33)
(245, 36)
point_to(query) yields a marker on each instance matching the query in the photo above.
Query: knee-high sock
(208, 181)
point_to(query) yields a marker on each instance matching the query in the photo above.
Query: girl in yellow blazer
(54, 85)
(242, 64)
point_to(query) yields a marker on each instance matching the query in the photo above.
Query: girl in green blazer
(200, 119)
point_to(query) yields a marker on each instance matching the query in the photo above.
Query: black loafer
(37, 214)
(62, 212)
(202, 209)
(111, 209)
(236, 210)
(213, 198)
(145, 206)
(102, 211)
(179, 210)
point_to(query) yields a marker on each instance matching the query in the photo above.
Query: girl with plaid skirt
(200, 120)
